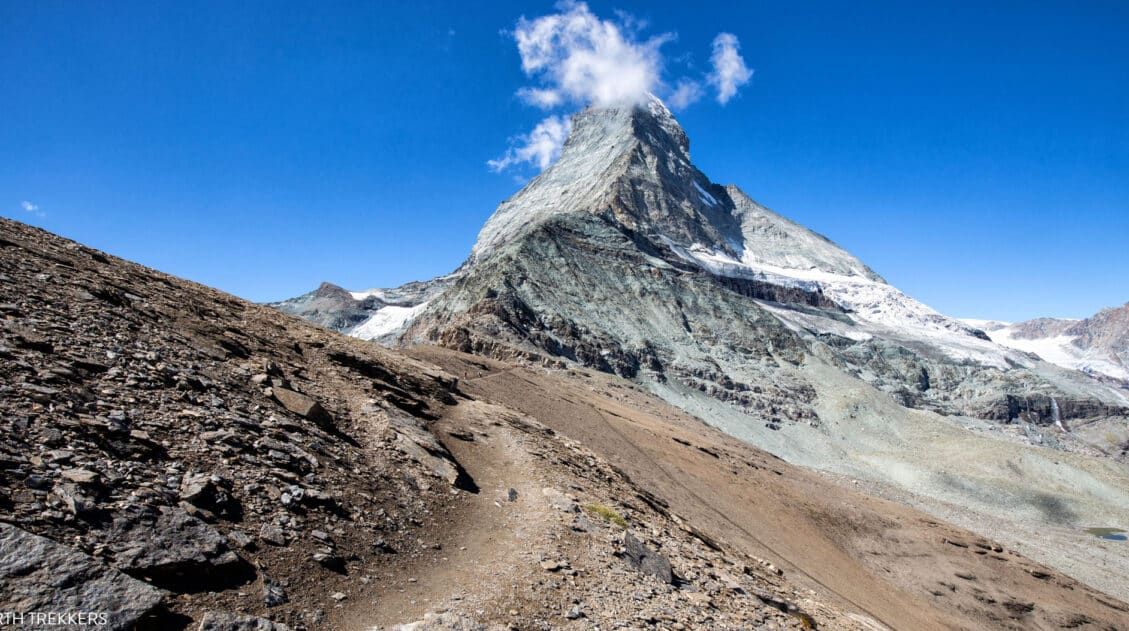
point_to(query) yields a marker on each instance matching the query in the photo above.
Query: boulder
(303, 406)
(645, 559)
(274, 594)
(422, 446)
(39, 575)
(175, 550)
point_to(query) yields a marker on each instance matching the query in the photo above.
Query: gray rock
(441, 622)
(240, 539)
(196, 488)
(224, 621)
(37, 574)
(81, 476)
(321, 535)
(424, 448)
(304, 406)
(330, 561)
(559, 500)
(273, 535)
(273, 593)
(173, 549)
(645, 559)
(74, 500)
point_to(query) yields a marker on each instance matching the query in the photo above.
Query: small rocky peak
(329, 290)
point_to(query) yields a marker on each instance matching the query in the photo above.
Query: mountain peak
(631, 164)
(614, 154)
(650, 122)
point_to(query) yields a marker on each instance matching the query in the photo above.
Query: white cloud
(574, 58)
(729, 70)
(539, 147)
(686, 93)
(32, 208)
(545, 98)
(585, 59)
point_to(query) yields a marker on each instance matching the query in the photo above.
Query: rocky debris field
(182, 451)
(176, 457)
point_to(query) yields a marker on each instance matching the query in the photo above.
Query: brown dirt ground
(880, 559)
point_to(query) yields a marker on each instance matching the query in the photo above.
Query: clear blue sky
(977, 158)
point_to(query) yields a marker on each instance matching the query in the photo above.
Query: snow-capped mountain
(625, 194)
(1096, 345)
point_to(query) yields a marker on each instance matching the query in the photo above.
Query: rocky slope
(177, 457)
(894, 565)
(206, 453)
(186, 457)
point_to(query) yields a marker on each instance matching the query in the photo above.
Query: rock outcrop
(39, 576)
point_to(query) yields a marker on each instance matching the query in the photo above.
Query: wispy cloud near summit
(584, 59)
(540, 147)
(578, 59)
(729, 70)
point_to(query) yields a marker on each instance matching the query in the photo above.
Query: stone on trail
(303, 405)
(224, 621)
(645, 559)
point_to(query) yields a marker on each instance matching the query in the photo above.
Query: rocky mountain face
(1098, 345)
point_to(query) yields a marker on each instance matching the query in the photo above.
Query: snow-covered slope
(1096, 345)
(372, 314)
(389, 320)
(878, 308)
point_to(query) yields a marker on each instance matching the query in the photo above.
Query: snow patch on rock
(388, 320)
(1061, 350)
(706, 197)
(878, 308)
